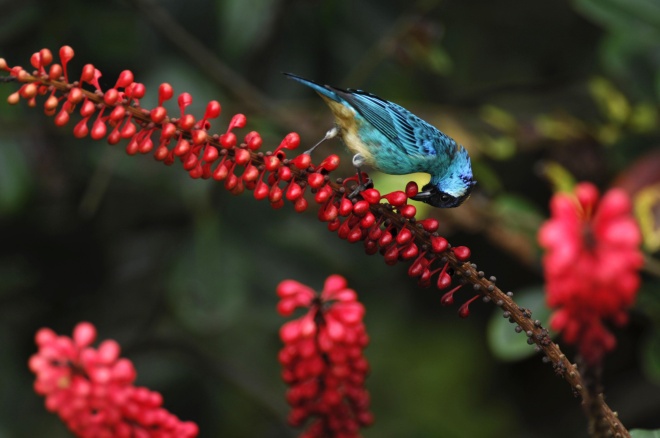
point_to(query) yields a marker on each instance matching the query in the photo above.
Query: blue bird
(393, 140)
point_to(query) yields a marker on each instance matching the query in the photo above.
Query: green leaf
(503, 340)
(641, 433)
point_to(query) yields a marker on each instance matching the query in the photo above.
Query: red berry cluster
(92, 389)
(591, 266)
(388, 228)
(322, 358)
(392, 230)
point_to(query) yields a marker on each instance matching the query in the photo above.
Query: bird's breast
(350, 124)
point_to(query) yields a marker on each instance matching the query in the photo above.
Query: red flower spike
(99, 129)
(323, 195)
(368, 221)
(370, 247)
(326, 382)
(375, 233)
(125, 79)
(372, 196)
(133, 146)
(129, 130)
(146, 145)
(385, 239)
(51, 104)
(186, 122)
(275, 194)
(391, 255)
(75, 95)
(117, 114)
(55, 72)
(302, 161)
(35, 60)
(412, 189)
(343, 230)
(462, 253)
(345, 206)
(431, 225)
(284, 173)
(408, 211)
(135, 91)
(294, 191)
(242, 156)
(300, 205)
(397, 198)
(410, 251)
(81, 130)
(330, 163)
(448, 298)
(213, 109)
(439, 244)
(228, 140)
(271, 163)
(361, 208)
(158, 114)
(404, 236)
(334, 224)
(88, 108)
(464, 310)
(28, 91)
(315, 180)
(328, 213)
(292, 140)
(261, 191)
(182, 147)
(591, 266)
(253, 140)
(114, 137)
(66, 54)
(198, 136)
(93, 392)
(165, 93)
(87, 74)
(111, 96)
(251, 173)
(62, 118)
(238, 121)
(418, 266)
(46, 57)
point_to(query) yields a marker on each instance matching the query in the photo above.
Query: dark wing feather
(390, 119)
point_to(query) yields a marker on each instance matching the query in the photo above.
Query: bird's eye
(445, 198)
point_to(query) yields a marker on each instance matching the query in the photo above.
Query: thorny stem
(465, 272)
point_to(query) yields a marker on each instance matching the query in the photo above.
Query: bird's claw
(367, 184)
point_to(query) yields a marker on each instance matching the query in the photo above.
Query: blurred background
(182, 274)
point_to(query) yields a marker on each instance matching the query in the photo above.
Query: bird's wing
(411, 134)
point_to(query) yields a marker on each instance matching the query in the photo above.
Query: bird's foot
(332, 132)
(364, 182)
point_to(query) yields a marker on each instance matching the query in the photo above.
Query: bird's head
(452, 187)
(433, 195)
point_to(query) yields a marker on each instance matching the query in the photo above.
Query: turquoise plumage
(393, 140)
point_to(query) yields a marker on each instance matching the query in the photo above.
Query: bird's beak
(421, 196)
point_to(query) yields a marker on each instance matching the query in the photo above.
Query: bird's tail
(323, 90)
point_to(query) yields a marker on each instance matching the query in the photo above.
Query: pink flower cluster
(323, 360)
(92, 389)
(591, 266)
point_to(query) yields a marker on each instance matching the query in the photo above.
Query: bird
(391, 139)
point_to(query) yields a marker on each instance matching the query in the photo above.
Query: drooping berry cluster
(591, 266)
(92, 389)
(322, 358)
(388, 228)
